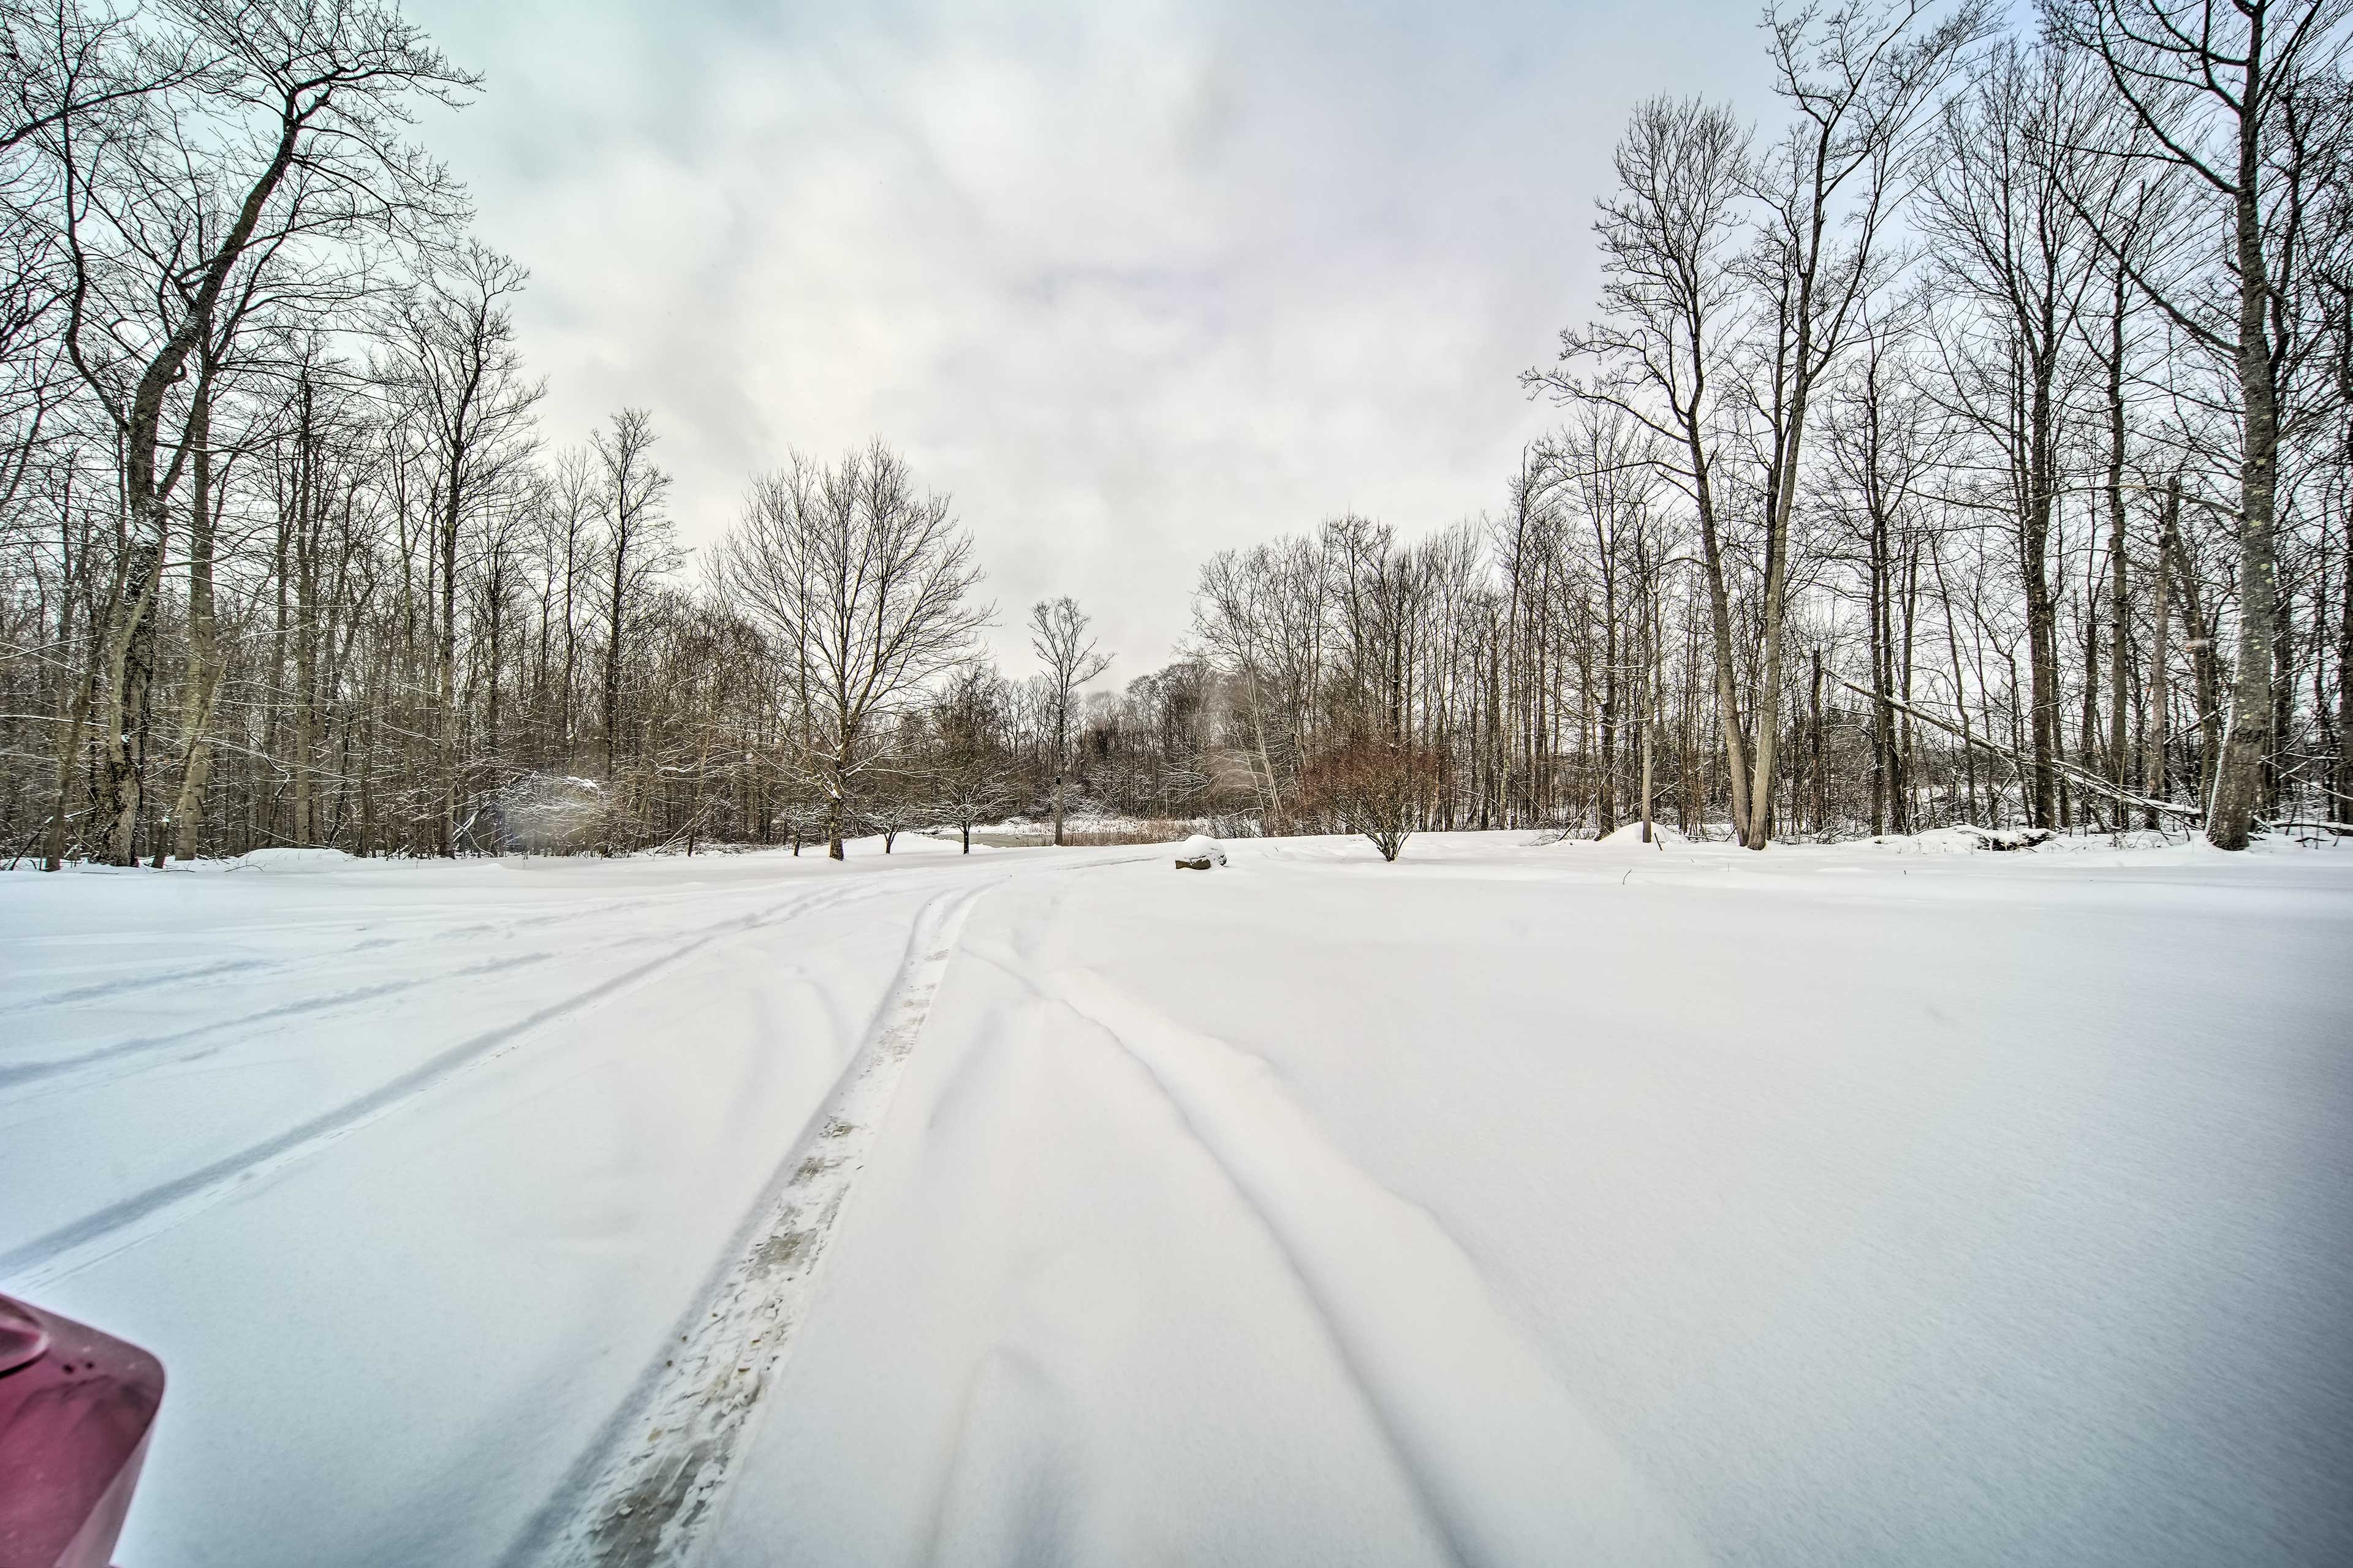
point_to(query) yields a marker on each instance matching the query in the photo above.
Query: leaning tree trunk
(200, 691)
(1777, 593)
(1720, 632)
(131, 642)
(129, 680)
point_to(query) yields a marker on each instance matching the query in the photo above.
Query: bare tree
(1058, 636)
(1662, 348)
(972, 770)
(284, 131)
(2003, 237)
(864, 584)
(2212, 88)
(636, 548)
(457, 362)
(1860, 80)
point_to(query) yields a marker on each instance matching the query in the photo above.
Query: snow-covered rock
(1199, 853)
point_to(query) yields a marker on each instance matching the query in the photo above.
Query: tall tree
(2213, 87)
(637, 544)
(1058, 636)
(864, 585)
(1661, 350)
(282, 131)
(458, 365)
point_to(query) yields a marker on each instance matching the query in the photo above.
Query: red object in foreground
(75, 1410)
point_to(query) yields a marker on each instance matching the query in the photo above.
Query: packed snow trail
(408, 1169)
(649, 1501)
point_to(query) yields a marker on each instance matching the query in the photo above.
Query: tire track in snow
(252, 968)
(43, 1072)
(98, 990)
(73, 1247)
(1510, 1470)
(648, 1503)
(302, 1007)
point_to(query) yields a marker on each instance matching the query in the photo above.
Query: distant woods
(1971, 440)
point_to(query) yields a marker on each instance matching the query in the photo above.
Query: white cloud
(1135, 284)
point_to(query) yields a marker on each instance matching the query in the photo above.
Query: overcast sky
(1133, 284)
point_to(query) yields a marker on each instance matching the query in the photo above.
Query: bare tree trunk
(307, 508)
(201, 689)
(1777, 571)
(2160, 688)
(1650, 656)
(445, 734)
(129, 669)
(130, 653)
(2042, 611)
(1720, 628)
(1605, 803)
(2248, 743)
(1062, 750)
(2119, 585)
(2341, 800)
(68, 748)
(83, 678)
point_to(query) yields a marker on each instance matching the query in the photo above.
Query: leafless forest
(1969, 441)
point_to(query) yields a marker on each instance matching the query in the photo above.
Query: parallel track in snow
(75, 1245)
(243, 970)
(85, 1069)
(641, 1501)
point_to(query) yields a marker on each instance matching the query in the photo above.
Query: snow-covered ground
(1516, 1202)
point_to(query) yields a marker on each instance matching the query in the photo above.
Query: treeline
(1971, 442)
(289, 559)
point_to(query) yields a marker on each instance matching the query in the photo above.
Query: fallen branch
(2084, 780)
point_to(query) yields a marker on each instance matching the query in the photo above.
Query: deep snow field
(1516, 1202)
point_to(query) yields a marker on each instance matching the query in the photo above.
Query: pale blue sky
(1134, 283)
